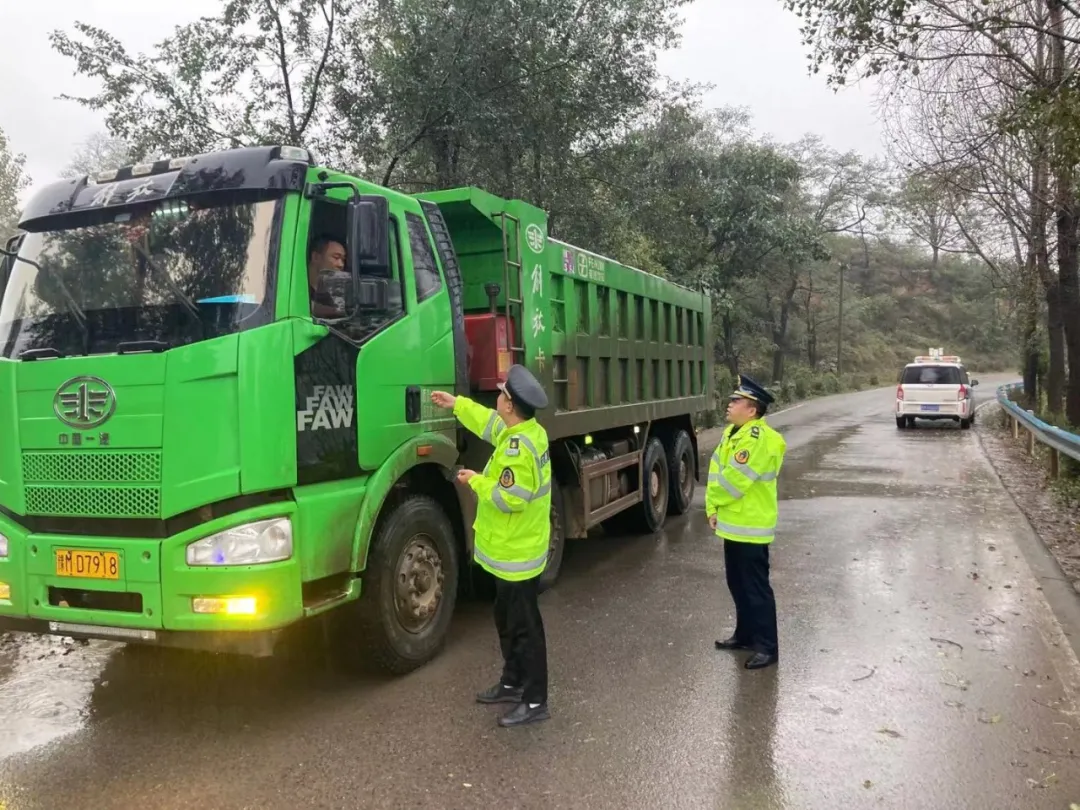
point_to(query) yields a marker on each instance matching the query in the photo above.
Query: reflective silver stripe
(751, 474)
(531, 448)
(499, 501)
(733, 491)
(510, 567)
(744, 531)
(520, 491)
(489, 429)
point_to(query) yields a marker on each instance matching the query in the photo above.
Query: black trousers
(747, 566)
(521, 636)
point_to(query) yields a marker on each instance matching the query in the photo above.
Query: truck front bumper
(150, 596)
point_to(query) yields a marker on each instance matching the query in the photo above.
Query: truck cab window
(426, 270)
(326, 256)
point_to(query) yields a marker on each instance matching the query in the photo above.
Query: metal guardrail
(1060, 442)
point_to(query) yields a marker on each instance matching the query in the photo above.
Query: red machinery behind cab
(489, 350)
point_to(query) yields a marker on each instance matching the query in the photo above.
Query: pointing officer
(512, 529)
(740, 503)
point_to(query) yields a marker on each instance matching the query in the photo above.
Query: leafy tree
(12, 181)
(257, 72)
(100, 152)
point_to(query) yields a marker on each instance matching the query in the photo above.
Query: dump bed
(613, 345)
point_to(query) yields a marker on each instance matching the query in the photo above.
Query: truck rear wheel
(648, 516)
(558, 539)
(680, 460)
(410, 587)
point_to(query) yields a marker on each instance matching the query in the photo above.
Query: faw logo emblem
(84, 402)
(330, 407)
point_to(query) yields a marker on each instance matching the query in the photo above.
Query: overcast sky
(748, 49)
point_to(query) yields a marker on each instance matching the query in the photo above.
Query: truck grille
(94, 483)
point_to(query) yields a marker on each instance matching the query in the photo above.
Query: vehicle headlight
(3, 546)
(263, 541)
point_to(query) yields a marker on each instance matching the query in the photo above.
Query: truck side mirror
(7, 259)
(368, 225)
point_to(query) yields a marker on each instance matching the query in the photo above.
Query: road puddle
(45, 688)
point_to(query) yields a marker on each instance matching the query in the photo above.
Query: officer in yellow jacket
(740, 503)
(512, 530)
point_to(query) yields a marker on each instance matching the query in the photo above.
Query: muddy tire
(410, 587)
(681, 466)
(965, 424)
(558, 539)
(901, 423)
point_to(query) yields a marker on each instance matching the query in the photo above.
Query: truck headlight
(3, 546)
(263, 541)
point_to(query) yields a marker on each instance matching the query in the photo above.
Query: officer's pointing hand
(464, 476)
(443, 399)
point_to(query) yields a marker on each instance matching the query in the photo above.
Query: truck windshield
(160, 276)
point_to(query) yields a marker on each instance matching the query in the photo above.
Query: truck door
(336, 408)
(414, 356)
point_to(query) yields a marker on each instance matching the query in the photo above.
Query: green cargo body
(147, 448)
(612, 344)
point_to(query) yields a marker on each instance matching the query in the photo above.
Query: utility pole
(840, 320)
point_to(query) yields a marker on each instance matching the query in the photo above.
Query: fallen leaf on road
(890, 733)
(867, 784)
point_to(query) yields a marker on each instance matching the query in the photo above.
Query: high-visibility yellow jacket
(741, 491)
(513, 512)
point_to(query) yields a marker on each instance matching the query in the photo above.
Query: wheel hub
(654, 483)
(418, 584)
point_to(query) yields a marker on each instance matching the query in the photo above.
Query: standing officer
(512, 529)
(740, 502)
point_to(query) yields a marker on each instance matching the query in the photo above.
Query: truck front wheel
(410, 586)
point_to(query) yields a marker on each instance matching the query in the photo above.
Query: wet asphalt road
(920, 668)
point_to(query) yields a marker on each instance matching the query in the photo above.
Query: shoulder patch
(506, 480)
(514, 447)
(755, 432)
(742, 456)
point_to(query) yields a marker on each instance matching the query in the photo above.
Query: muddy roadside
(1025, 478)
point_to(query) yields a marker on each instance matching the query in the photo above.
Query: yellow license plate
(87, 564)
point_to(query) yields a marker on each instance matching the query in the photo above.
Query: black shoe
(500, 694)
(731, 644)
(524, 713)
(760, 660)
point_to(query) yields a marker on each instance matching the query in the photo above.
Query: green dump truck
(189, 458)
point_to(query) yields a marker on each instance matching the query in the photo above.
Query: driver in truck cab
(326, 255)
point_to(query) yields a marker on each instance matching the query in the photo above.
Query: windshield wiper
(73, 307)
(174, 288)
(137, 346)
(39, 354)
